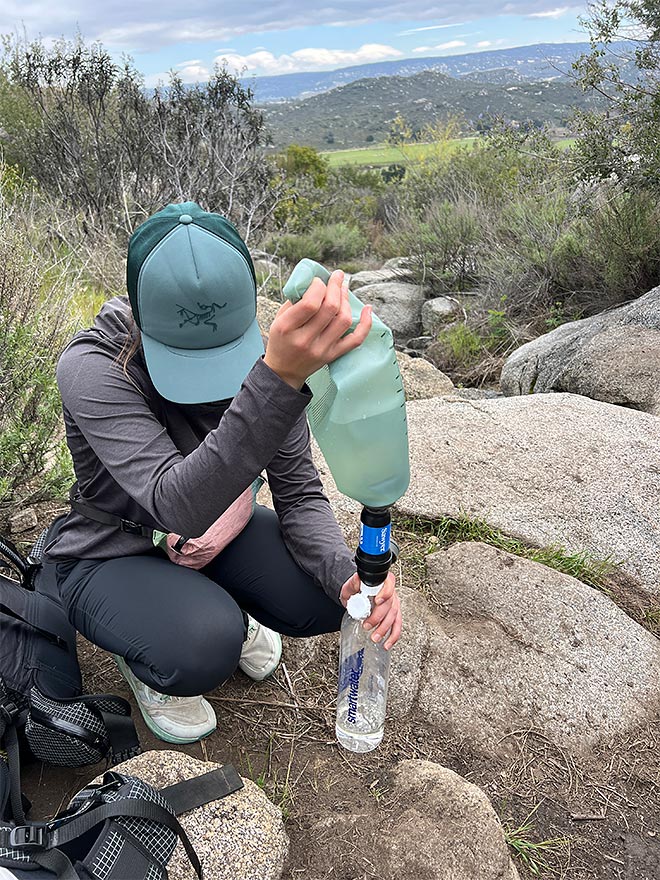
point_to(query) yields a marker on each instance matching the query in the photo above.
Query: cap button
(185, 218)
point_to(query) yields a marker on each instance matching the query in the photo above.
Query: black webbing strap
(10, 742)
(57, 862)
(122, 736)
(11, 715)
(42, 838)
(25, 616)
(84, 508)
(15, 557)
(193, 793)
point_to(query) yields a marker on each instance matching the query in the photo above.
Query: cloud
(147, 26)
(551, 13)
(306, 59)
(433, 27)
(442, 47)
(484, 44)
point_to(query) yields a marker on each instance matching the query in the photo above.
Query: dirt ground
(603, 815)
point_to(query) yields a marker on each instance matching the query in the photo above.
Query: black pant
(180, 630)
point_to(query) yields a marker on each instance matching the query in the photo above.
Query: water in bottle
(364, 668)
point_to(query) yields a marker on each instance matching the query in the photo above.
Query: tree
(623, 68)
(89, 132)
(399, 132)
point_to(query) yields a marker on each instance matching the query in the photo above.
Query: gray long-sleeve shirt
(178, 467)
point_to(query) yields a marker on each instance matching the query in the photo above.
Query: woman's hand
(386, 615)
(310, 333)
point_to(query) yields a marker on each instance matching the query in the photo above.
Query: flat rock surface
(522, 646)
(550, 469)
(240, 837)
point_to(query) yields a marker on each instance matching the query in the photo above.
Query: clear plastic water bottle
(364, 665)
(364, 668)
(358, 411)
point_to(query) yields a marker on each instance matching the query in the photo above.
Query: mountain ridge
(539, 61)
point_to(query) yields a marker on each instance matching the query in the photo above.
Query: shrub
(326, 244)
(34, 326)
(442, 245)
(86, 129)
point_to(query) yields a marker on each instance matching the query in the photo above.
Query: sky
(287, 36)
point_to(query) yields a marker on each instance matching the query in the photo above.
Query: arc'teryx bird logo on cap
(197, 318)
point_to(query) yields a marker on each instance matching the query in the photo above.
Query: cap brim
(205, 374)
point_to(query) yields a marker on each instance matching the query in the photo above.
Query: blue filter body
(375, 541)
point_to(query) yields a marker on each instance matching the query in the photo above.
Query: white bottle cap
(359, 606)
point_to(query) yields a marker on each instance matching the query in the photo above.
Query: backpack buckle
(28, 836)
(8, 710)
(130, 527)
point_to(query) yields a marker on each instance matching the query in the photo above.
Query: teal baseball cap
(193, 292)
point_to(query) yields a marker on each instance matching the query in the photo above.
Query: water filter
(358, 409)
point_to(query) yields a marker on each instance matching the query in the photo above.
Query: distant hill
(542, 61)
(361, 112)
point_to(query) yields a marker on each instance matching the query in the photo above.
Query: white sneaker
(262, 651)
(173, 719)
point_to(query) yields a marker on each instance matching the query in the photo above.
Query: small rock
(421, 379)
(375, 276)
(438, 827)
(265, 268)
(445, 829)
(401, 263)
(438, 312)
(266, 311)
(419, 343)
(299, 653)
(23, 521)
(398, 305)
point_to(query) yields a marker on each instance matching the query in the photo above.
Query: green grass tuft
(452, 530)
(531, 853)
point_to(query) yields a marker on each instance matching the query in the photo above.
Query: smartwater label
(349, 677)
(375, 541)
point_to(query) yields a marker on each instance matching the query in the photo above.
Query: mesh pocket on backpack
(65, 733)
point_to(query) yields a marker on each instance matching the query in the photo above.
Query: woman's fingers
(387, 590)
(352, 340)
(302, 312)
(328, 325)
(395, 633)
(349, 589)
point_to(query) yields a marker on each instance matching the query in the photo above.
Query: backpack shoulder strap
(20, 604)
(84, 508)
(201, 790)
(14, 557)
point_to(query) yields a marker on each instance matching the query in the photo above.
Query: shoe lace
(165, 698)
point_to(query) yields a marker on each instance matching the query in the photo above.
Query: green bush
(442, 245)
(326, 244)
(34, 327)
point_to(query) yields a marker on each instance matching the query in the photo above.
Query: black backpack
(42, 710)
(118, 829)
(121, 828)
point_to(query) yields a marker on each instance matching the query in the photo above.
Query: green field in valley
(386, 154)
